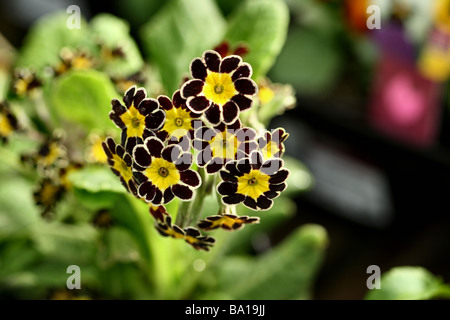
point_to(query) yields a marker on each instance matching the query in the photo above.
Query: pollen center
(179, 122)
(252, 182)
(135, 122)
(163, 172)
(218, 88)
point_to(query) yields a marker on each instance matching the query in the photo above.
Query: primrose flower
(226, 221)
(222, 144)
(180, 120)
(138, 119)
(25, 82)
(271, 144)
(220, 88)
(189, 234)
(120, 163)
(8, 122)
(164, 173)
(252, 181)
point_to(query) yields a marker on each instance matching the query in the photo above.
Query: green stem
(183, 213)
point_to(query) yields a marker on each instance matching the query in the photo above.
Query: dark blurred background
(380, 159)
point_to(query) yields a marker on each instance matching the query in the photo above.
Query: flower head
(189, 234)
(138, 119)
(180, 120)
(25, 82)
(252, 181)
(220, 88)
(271, 144)
(120, 163)
(8, 122)
(222, 144)
(224, 49)
(226, 221)
(163, 172)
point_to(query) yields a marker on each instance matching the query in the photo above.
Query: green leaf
(45, 39)
(96, 178)
(83, 97)
(406, 283)
(263, 26)
(285, 272)
(114, 33)
(179, 32)
(299, 179)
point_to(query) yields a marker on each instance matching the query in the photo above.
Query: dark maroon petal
(184, 142)
(277, 187)
(140, 95)
(263, 202)
(132, 187)
(271, 194)
(120, 151)
(131, 142)
(128, 160)
(191, 88)
(190, 177)
(198, 69)
(117, 120)
(155, 120)
(213, 114)
(147, 106)
(245, 86)
(212, 60)
(168, 195)
(178, 100)
(154, 146)
(141, 156)
(243, 71)
(182, 192)
(279, 177)
(215, 165)
(184, 162)
(227, 188)
(242, 101)
(205, 133)
(232, 168)
(226, 176)
(203, 157)
(230, 63)
(106, 150)
(233, 199)
(245, 134)
(256, 160)
(157, 200)
(147, 190)
(279, 135)
(235, 125)
(165, 102)
(128, 96)
(198, 104)
(230, 112)
(271, 166)
(171, 153)
(117, 107)
(249, 202)
(244, 165)
(139, 177)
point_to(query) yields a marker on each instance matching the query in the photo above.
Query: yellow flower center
(81, 63)
(219, 88)
(121, 166)
(134, 121)
(162, 173)
(265, 95)
(270, 149)
(178, 122)
(253, 184)
(5, 126)
(224, 145)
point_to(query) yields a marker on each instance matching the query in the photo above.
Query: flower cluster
(195, 143)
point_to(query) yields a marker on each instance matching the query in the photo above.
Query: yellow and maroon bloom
(47, 195)
(252, 181)
(222, 144)
(271, 144)
(138, 119)
(25, 82)
(8, 122)
(180, 120)
(189, 234)
(73, 60)
(120, 163)
(226, 221)
(220, 88)
(163, 173)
